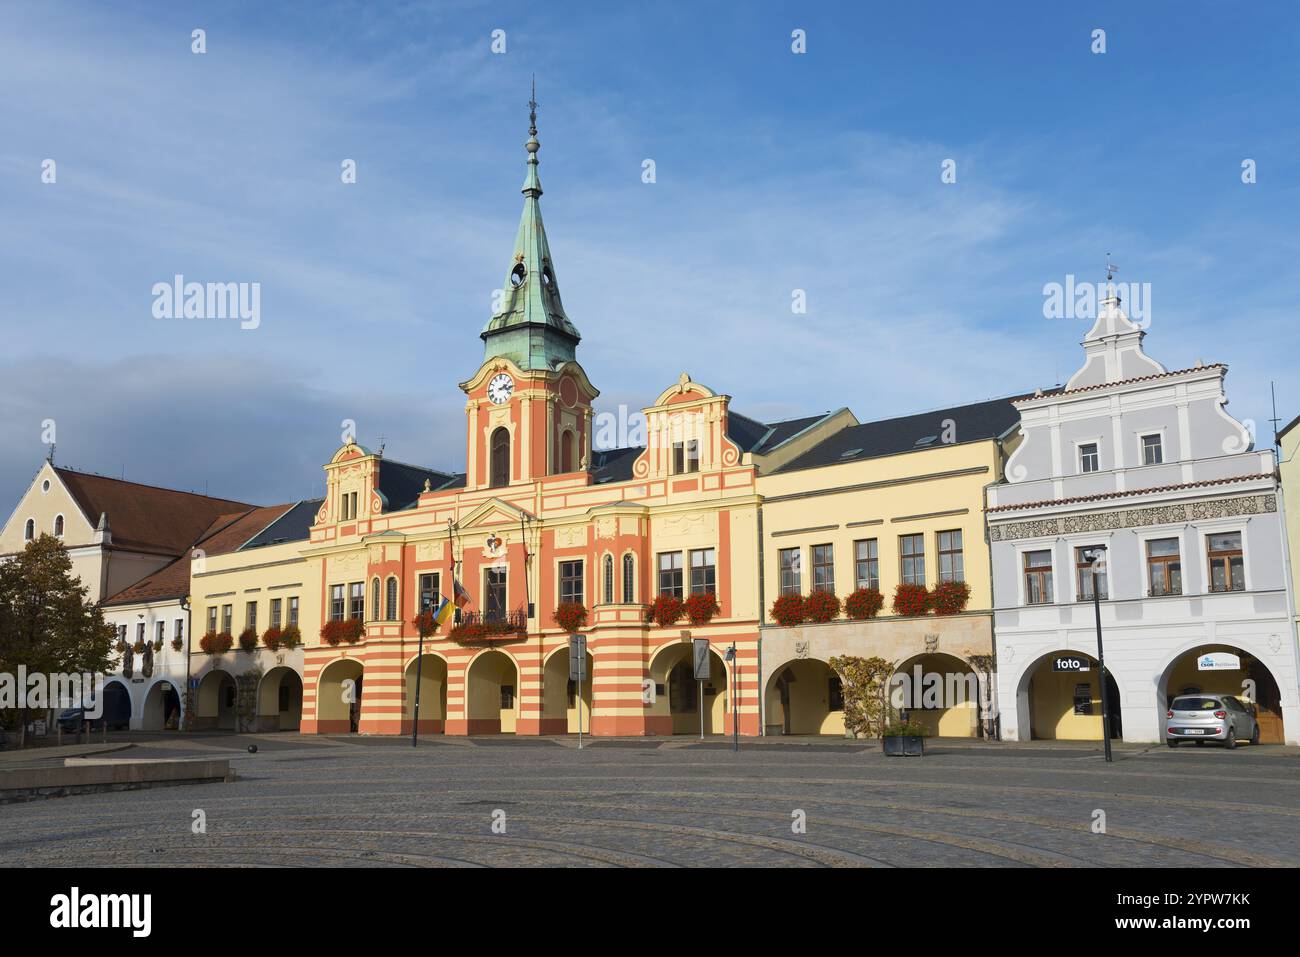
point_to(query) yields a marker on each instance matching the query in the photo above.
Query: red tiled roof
(1107, 385)
(1043, 503)
(224, 535)
(145, 517)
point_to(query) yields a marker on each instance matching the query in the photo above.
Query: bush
(273, 638)
(821, 606)
(248, 639)
(864, 603)
(664, 610)
(290, 637)
(570, 615)
(216, 643)
(911, 600)
(864, 683)
(906, 729)
(788, 610)
(701, 607)
(949, 598)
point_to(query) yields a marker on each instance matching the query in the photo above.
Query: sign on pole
(701, 649)
(577, 657)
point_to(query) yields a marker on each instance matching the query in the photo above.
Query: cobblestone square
(311, 802)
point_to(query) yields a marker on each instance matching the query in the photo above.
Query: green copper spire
(531, 328)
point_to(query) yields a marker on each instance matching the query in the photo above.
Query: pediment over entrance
(495, 512)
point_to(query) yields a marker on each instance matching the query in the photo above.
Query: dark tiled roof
(145, 517)
(401, 484)
(1129, 493)
(614, 465)
(971, 423)
(292, 526)
(754, 436)
(226, 534)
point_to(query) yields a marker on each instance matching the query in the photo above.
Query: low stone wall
(31, 784)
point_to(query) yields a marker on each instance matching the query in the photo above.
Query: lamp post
(426, 605)
(1096, 557)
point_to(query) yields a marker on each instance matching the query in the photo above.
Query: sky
(774, 171)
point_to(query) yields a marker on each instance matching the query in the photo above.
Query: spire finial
(532, 109)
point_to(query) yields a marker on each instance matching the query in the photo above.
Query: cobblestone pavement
(304, 801)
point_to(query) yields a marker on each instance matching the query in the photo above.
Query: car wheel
(1172, 742)
(1254, 735)
(1231, 743)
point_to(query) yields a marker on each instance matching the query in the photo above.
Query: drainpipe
(1290, 596)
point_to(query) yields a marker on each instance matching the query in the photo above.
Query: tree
(864, 683)
(47, 621)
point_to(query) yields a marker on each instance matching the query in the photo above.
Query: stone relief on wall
(1135, 517)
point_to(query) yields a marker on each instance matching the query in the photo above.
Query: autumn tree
(47, 621)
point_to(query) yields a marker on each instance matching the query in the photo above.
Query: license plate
(1193, 731)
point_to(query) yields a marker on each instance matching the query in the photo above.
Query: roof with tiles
(144, 517)
(976, 422)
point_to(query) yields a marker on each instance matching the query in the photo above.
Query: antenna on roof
(1272, 389)
(383, 440)
(50, 457)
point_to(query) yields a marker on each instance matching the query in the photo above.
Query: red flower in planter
(272, 638)
(911, 600)
(949, 598)
(352, 630)
(425, 623)
(290, 637)
(789, 610)
(178, 643)
(701, 607)
(570, 615)
(665, 610)
(216, 644)
(821, 606)
(248, 639)
(331, 632)
(864, 603)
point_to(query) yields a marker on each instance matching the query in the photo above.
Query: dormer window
(348, 506)
(686, 456)
(517, 275)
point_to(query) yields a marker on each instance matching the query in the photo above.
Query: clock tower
(529, 404)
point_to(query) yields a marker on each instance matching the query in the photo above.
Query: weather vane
(1111, 268)
(532, 108)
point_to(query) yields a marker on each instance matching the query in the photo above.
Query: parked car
(73, 720)
(1204, 717)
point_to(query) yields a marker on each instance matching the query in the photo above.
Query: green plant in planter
(906, 729)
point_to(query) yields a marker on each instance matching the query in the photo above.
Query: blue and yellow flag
(442, 613)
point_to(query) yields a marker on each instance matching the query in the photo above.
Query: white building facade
(1145, 464)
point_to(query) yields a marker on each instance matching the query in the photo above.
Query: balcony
(490, 627)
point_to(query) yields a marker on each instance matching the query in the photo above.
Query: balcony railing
(1228, 586)
(489, 626)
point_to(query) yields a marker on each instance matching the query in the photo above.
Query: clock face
(501, 388)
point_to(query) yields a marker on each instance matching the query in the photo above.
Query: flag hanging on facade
(462, 596)
(443, 611)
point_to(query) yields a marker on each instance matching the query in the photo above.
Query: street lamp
(735, 692)
(1096, 558)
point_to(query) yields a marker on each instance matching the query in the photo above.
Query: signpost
(577, 672)
(700, 648)
(735, 696)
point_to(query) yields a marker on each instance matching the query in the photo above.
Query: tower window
(517, 275)
(29, 530)
(499, 466)
(629, 579)
(566, 452)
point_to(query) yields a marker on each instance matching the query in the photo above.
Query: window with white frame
(1153, 452)
(1089, 457)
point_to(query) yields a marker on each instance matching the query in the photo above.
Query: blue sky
(775, 172)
